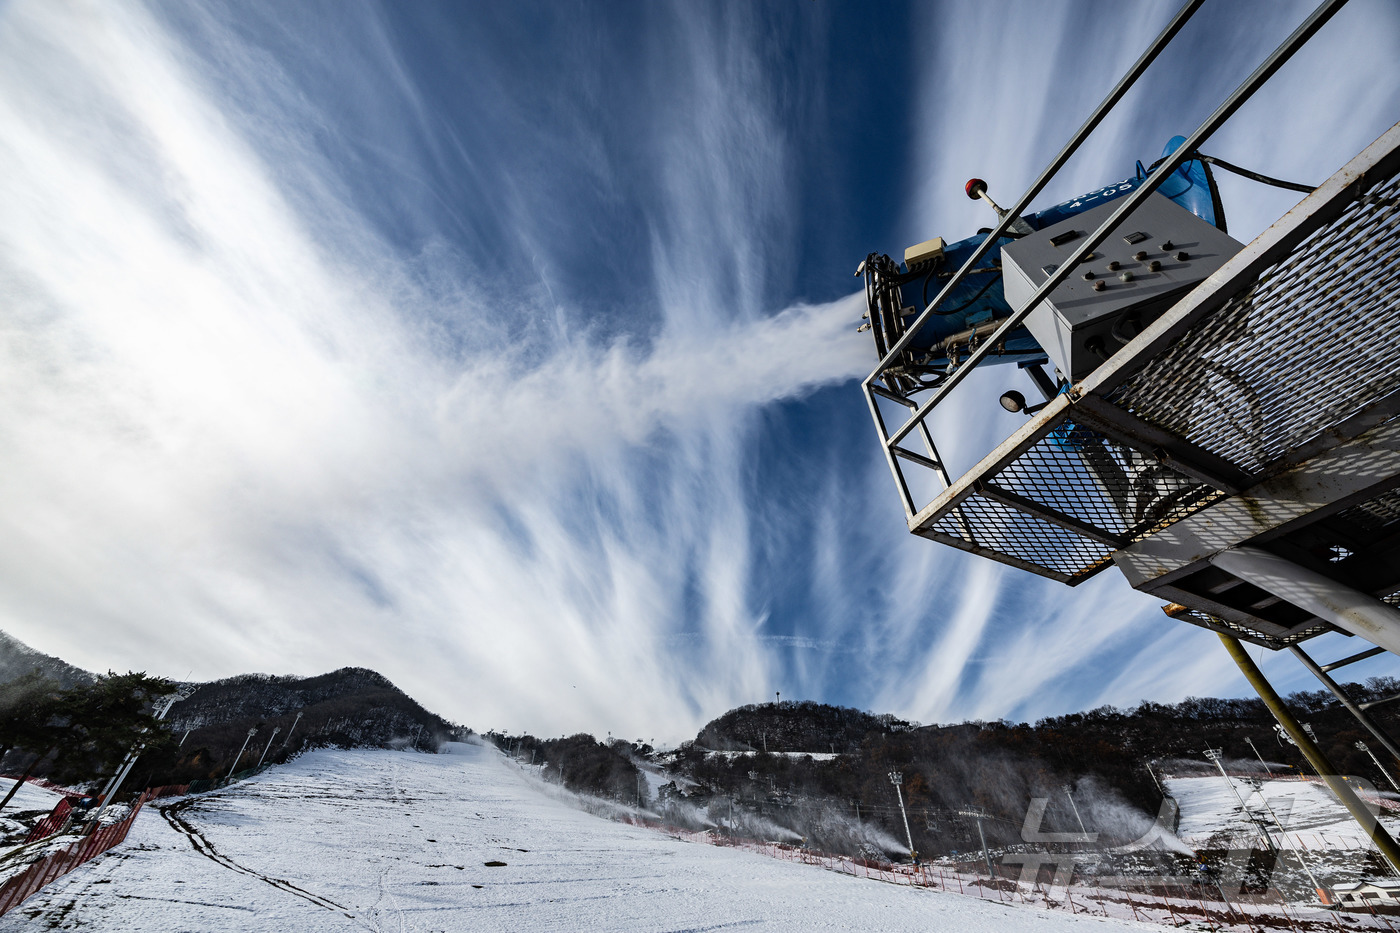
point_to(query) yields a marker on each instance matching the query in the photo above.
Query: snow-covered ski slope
(382, 840)
(1311, 815)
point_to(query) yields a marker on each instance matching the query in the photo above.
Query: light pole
(1259, 756)
(897, 779)
(251, 732)
(1213, 754)
(275, 730)
(289, 731)
(1074, 805)
(1152, 774)
(1367, 749)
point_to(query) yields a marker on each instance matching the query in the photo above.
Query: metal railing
(1118, 458)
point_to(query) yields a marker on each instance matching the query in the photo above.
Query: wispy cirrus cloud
(459, 342)
(245, 431)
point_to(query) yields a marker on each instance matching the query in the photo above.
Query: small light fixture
(1014, 401)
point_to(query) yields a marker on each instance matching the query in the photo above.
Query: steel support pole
(1372, 752)
(268, 747)
(1361, 715)
(908, 836)
(251, 733)
(1075, 807)
(1348, 609)
(985, 854)
(288, 737)
(1343, 792)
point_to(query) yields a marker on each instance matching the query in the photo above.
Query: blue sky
(510, 349)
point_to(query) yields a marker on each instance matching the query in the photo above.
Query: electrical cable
(1256, 176)
(969, 303)
(1244, 172)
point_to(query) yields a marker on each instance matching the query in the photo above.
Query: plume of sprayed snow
(1107, 813)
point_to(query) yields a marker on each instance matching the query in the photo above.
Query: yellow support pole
(1339, 787)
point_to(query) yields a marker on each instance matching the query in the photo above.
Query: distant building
(1368, 894)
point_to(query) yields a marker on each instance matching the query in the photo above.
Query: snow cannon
(896, 293)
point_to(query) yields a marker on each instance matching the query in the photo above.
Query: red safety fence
(51, 823)
(167, 790)
(57, 864)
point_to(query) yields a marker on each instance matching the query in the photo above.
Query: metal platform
(1260, 410)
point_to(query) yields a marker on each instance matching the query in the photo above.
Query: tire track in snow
(204, 847)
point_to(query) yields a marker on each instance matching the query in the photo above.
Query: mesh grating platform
(1090, 477)
(1003, 531)
(1273, 642)
(1315, 339)
(1378, 516)
(1065, 504)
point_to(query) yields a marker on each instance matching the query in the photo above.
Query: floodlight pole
(275, 730)
(1213, 754)
(288, 737)
(897, 779)
(1367, 749)
(251, 732)
(1152, 774)
(1075, 807)
(1339, 787)
(1259, 756)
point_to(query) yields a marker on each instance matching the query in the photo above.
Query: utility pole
(1367, 749)
(251, 732)
(979, 814)
(1259, 756)
(288, 737)
(1069, 793)
(269, 745)
(897, 779)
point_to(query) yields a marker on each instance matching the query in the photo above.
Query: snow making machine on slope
(1219, 420)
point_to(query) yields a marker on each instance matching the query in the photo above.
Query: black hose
(969, 303)
(1246, 173)
(1256, 176)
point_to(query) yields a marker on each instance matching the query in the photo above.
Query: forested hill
(351, 706)
(208, 730)
(1106, 754)
(18, 659)
(803, 726)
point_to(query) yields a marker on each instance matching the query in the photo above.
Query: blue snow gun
(897, 293)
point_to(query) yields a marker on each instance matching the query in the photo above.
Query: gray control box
(1158, 254)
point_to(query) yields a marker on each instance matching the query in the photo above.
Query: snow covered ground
(382, 840)
(1311, 815)
(30, 797)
